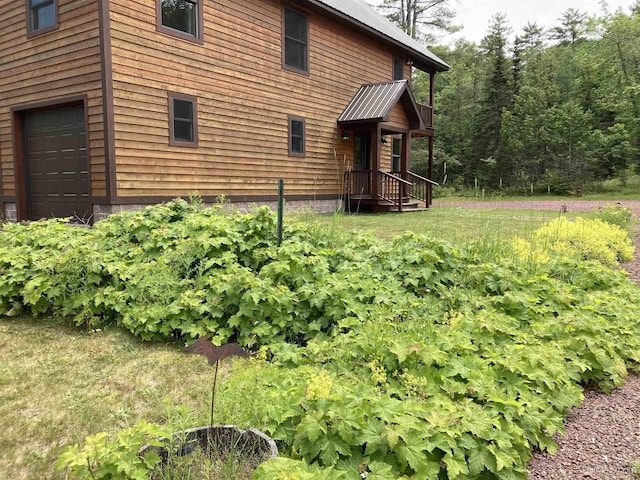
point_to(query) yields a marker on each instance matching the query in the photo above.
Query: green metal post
(280, 208)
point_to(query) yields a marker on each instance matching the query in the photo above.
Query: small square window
(181, 18)
(42, 15)
(182, 120)
(295, 41)
(296, 136)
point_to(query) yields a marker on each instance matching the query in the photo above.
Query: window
(42, 15)
(398, 68)
(296, 136)
(181, 18)
(295, 41)
(396, 149)
(183, 126)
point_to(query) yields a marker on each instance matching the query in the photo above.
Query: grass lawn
(629, 193)
(59, 384)
(454, 224)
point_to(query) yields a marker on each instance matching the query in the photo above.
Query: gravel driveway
(602, 436)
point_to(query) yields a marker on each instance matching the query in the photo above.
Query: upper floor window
(398, 68)
(182, 18)
(296, 136)
(183, 125)
(42, 15)
(296, 41)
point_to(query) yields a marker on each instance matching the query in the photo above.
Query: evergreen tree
(498, 95)
(572, 27)
(558, 116)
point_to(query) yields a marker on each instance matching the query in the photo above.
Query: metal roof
(361, 14)
(373, 102)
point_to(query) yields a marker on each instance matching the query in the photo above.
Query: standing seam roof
(373, 101)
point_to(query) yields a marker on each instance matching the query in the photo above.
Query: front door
(363, 151)
(362, 164)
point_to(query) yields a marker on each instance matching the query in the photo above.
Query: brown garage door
(56, 164)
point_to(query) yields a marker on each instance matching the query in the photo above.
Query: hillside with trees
(558, 109)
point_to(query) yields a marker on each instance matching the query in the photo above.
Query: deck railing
(426, 112)
(420, 187)
(358, 183)
(392, 188)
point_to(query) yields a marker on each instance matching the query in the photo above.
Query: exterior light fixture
(345, 136)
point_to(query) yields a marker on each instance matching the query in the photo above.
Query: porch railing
(426, 112)
(358, 183)
(420, 187)
(392, 188)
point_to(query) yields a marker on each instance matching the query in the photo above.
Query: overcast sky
(475, 15)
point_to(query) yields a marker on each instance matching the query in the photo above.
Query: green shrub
(395, 359)
(587, 239)
(614, 215)
(111, 457)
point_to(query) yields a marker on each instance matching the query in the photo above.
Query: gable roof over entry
(374, 101)
(359, 14)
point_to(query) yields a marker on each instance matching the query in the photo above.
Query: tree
(572, 27)
(458, 95)
(498, 95)
(532, 37)
(610, 80)
(559, 115)
(421, 19)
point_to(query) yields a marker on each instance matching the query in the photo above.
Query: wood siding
(48, 68)
(244, 100)
(397, 119)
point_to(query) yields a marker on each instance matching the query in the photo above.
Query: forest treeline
(555, 109)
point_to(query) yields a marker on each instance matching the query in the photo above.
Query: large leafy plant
(404, 359)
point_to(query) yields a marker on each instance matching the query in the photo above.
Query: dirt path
(602, 436)
(569, 205)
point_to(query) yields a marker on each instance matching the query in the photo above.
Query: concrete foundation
(10, 213)
(100, 212)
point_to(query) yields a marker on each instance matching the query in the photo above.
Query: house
(108, 105)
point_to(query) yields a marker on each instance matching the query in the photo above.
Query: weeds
(635, 468)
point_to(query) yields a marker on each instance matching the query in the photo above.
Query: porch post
(432, 94)
(405, 154)
(430, 171)
(375, 160)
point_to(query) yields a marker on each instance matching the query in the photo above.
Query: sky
(475, 15)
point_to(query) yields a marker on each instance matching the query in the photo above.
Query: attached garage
(56, 163)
